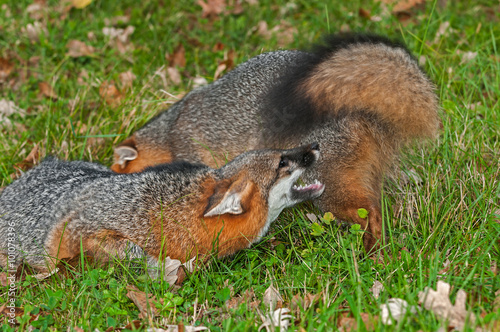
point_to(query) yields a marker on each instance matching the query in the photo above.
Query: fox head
(257, 185)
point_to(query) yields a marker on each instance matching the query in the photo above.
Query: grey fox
(362, 97)
(179, 210)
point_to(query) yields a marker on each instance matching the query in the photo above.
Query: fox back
(362, 97)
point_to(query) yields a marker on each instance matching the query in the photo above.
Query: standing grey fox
(179, 210)
(362, 97)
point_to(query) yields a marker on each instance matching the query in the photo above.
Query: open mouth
(308, 191)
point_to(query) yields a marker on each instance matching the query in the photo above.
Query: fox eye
(283, 163)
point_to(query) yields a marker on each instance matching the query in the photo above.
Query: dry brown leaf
(31, 160)
(177, 58)
(79, 4)
(7, 108)
(364, 13)
(6, 68)
(5, 278)
(284, 32)
(179, 328)
(279, 318)
(78, 49)
(212, 8)
(121, 19)
(272, 298)
(119, 34)
(199, 81)
(226, 64)
(33, 31)
(111, 95)
(174, 75)
(247, 297)
(45, 275)
(403, 5)
(145, 304)
(11, 313)
(439, 302)
(36, 10)
(47, 90)
(312, 217)
(377, 288)
(300, 302)
(347, 323)
(467, 56)
(126, 79)
(395, 309)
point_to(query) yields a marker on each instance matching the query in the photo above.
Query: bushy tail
(372, 74)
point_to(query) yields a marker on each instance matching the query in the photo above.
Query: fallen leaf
(364, 13)
(6, 278)
(443, 27)
(79, 4)
(145, 304)
(47, 90)
(467, 56)
(226, 64)
(11, 312)
(347, 323)
(78, 49)
(496, 303)
(284, 32)
(247, 297)
(377, 288)
(212, 8)
(300, 302)
(7, 108)
(272, 298)
(179, 328)
(126, 79)
(111, 95)
(36, 10)
(6, 68)
(33, 31)
(403, 5)
(31, 160)
(174, 75)
(178, 57)
(199, 81)
(395, 309)
(121, 19)
(438, 301)
(42, 276)
(279, 318)
(120, 34)
(312, 217)
(119, 38)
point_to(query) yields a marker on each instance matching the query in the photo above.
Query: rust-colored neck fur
(187, 233)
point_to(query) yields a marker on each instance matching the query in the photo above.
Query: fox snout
(304, 156)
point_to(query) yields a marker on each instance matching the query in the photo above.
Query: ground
(77, 77)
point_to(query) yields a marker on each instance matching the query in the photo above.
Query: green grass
(446, 227)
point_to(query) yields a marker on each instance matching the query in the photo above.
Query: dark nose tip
(315, 146)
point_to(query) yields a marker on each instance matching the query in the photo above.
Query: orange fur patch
(147, 156)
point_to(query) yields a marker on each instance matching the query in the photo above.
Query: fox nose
(315, 146)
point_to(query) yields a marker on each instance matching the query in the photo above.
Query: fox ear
(123, 154)
(231, 201)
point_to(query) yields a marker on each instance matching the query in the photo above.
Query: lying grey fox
(361, 97)
(178, 210)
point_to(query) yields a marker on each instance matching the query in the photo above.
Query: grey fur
(105, 211)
